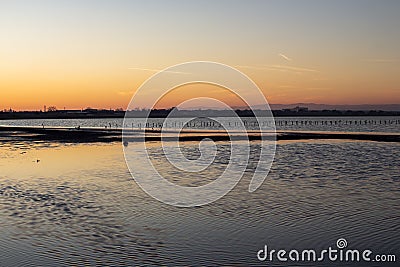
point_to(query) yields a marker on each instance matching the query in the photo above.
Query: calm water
(79, 205)
(346, 124)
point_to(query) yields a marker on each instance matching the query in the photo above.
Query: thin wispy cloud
(158, 70)
(381, 60)
(293, 69)
(288, 86)
(304, 88)
(124, 93)
(249, 67)
(317, 88)
(285, 57)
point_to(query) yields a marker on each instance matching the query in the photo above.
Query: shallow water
(348, 124)
(75, 204)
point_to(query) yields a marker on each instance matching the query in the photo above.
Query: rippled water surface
(76, 204)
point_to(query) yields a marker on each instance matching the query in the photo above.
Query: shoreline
(91, 135)
(164, 113)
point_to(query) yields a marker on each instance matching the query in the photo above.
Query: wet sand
(79, 205)
(89, 135)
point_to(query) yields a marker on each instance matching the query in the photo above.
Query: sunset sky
(76, 54)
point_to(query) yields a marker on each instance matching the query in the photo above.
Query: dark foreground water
(77, 205)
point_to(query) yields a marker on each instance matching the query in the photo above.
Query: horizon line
(298, 104)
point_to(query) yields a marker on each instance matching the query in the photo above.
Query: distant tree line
(54, 113)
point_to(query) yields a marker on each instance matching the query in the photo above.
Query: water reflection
(79, 205)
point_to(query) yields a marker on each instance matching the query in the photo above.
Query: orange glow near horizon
(110, 88)
(114, 90)
(200, 90)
